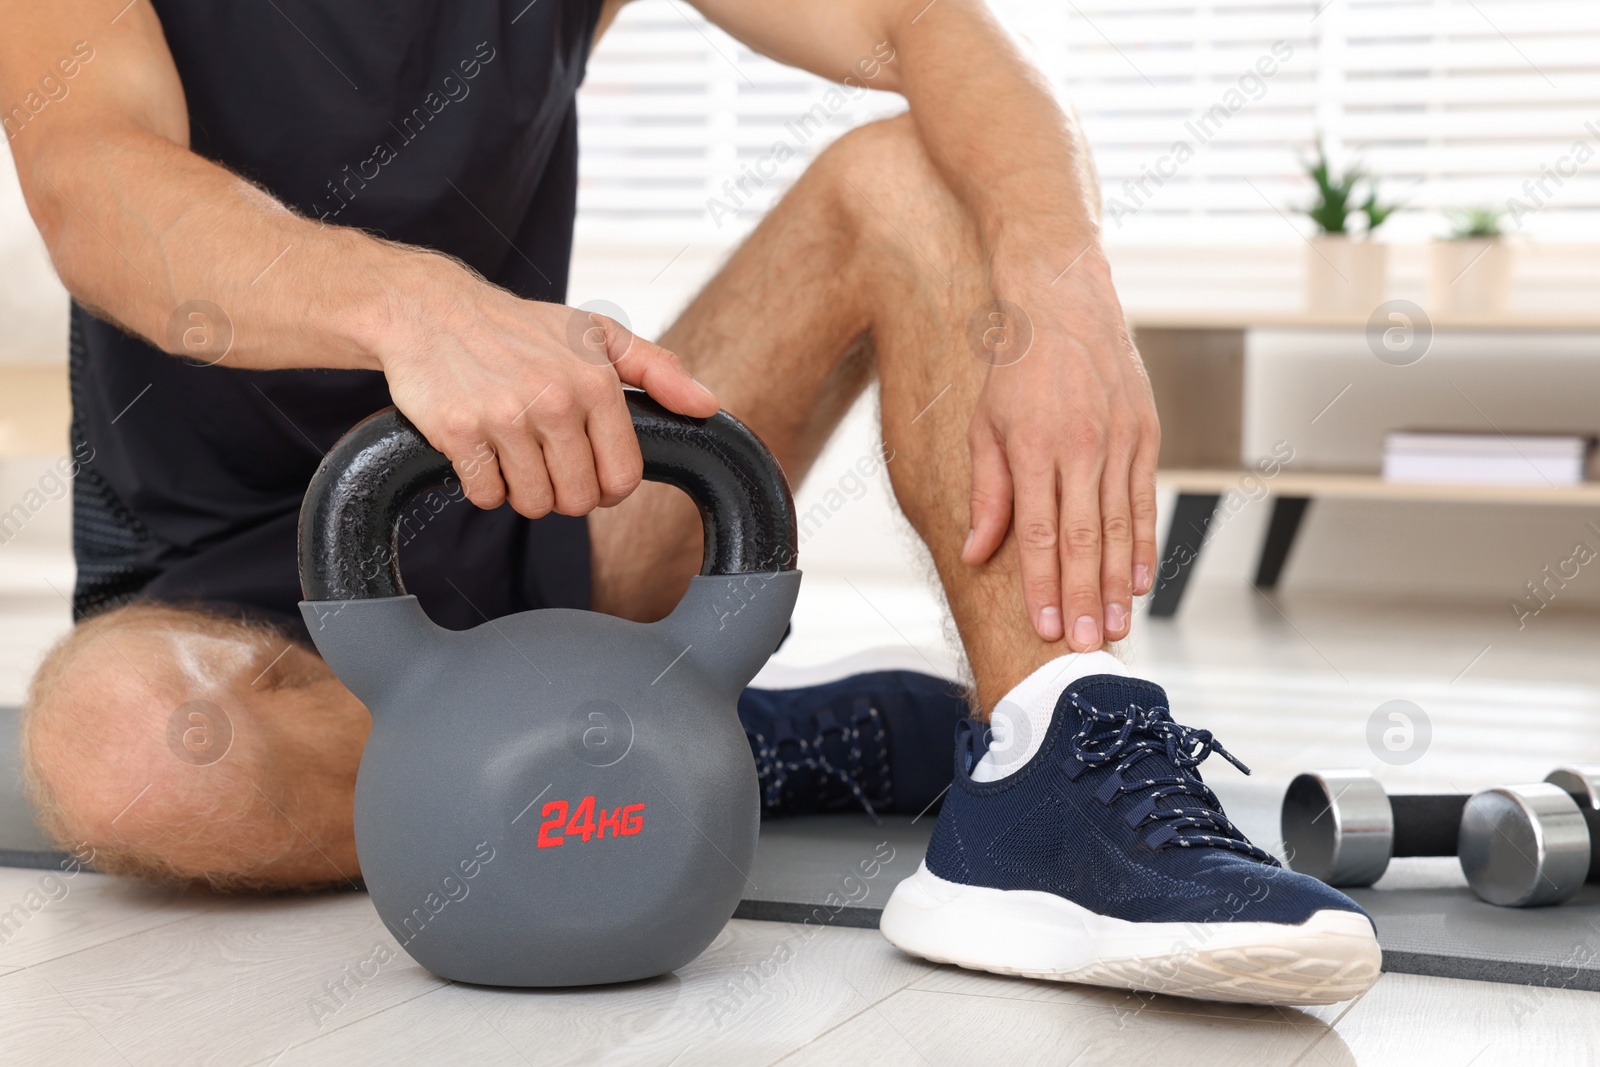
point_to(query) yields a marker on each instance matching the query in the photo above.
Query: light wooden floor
(97, 971)
(110, 974)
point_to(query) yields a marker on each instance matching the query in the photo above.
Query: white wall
(33, 306)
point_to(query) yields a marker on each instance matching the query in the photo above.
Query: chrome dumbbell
(1519, 846)
(1528, 845)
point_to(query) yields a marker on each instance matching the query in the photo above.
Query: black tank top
(444, 123)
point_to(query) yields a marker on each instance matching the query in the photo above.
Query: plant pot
(1470, 276)
(1345, 277)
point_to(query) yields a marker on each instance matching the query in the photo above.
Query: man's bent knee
(181, 747)
(888, 188)
(878, 158)
(886, 145)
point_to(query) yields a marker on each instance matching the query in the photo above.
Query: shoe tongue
(1110, 693)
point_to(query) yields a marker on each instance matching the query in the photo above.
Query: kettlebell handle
(350, 519)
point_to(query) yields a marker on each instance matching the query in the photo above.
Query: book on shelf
(1487, 458)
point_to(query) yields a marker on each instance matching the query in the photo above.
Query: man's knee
(881, 146)
(884, 180)
(133, 749)
(887, 154)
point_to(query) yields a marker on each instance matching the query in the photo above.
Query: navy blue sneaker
(878, 740)
(1104, 859)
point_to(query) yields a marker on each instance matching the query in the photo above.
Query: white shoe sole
(1332, 956)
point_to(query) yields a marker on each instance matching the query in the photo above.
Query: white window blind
(687, 135)
(1197, 114)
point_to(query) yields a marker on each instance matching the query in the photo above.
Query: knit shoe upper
(1111, 813)
(877, 741)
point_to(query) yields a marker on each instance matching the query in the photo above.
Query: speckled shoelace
(1141, 733)
(844, 758)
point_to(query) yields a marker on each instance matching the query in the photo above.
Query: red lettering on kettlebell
(582, 824)
(555, 814)
(587, 821)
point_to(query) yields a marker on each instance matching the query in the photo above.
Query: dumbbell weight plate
(1583, 785)
(1523, 846)
(1338, 827)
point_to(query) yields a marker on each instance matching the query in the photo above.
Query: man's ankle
(1019, 722)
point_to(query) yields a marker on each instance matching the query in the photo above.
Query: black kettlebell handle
(350, 520)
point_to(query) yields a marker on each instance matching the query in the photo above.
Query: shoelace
(1143, 732)
(789, 759)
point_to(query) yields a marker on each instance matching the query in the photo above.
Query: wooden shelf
(1330, 485)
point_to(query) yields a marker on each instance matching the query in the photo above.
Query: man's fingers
(478, 468)
(570, 461)
(1116, 553)
(1038, 541)
(517, 448)
(556, 420)
(528, 486)
(658, 372)
(618, 465)
(1082, 541)
(1142, 502)
(990, 512)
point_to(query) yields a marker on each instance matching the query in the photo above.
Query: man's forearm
(1027, 178)
(139, 227)
(986, 114)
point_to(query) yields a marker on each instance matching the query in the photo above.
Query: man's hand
(1064, 443)
(526, 398)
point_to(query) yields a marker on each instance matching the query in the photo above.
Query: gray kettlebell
(557, 797)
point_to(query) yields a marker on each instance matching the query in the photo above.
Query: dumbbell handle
(1426, 824)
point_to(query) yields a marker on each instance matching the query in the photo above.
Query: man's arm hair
(138, 225)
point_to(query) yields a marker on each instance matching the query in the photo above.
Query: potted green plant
(1346, 269)
(1470, 269)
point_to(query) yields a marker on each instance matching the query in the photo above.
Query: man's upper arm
(830, 38)
(70, 68)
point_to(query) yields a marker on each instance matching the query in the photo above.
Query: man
(327, 207)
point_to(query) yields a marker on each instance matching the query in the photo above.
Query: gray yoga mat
(22, 844)
(839, 870)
